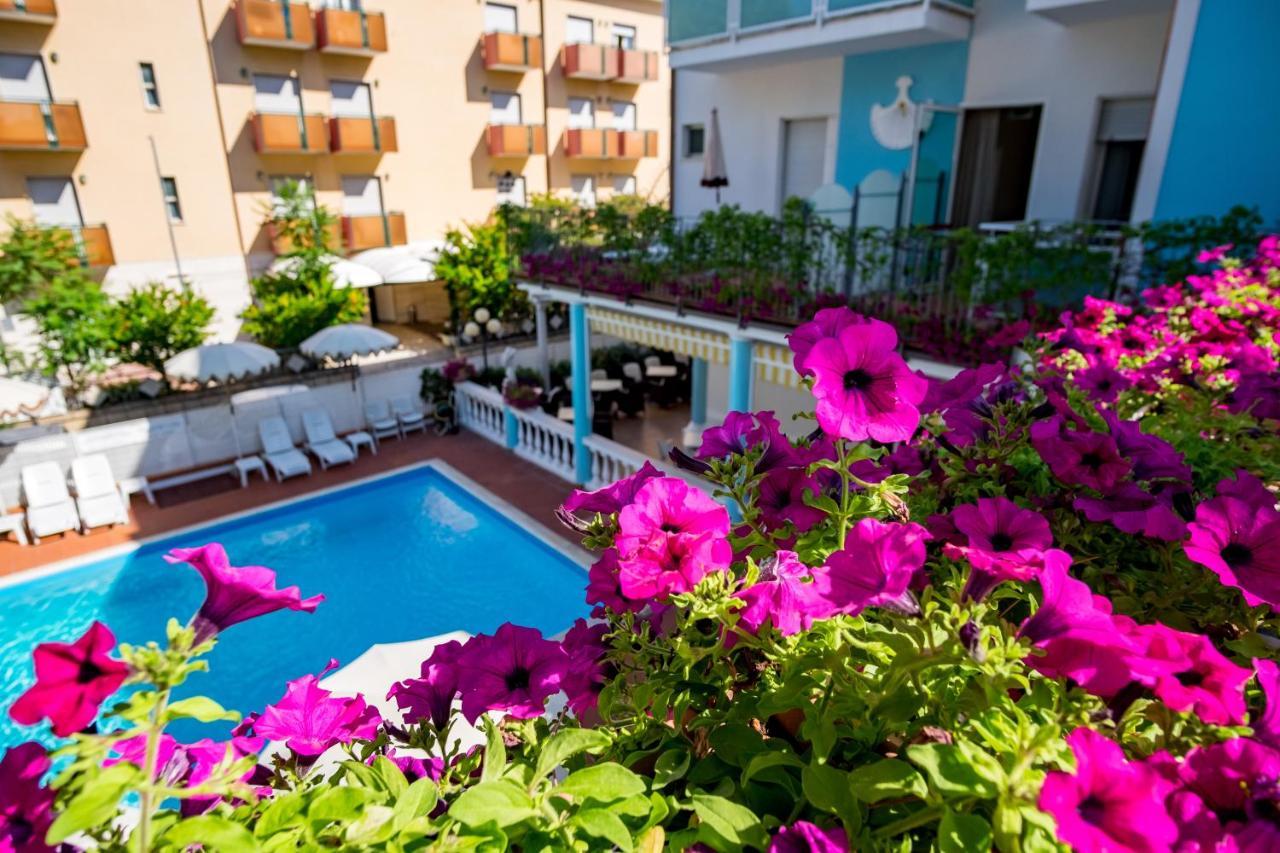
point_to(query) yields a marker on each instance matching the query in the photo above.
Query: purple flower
(669, 538)
(1247, 488)
(805, 837)
(26, 808)
(785, 595)
(1003, 542)
(1102, 382)
(875, 568)
(180, 764)
(1239, 541)
(1266, 727)
(962, 401)
(863, 387)
(72, 680)
(827, 323)
(310, 719)
(742, 432)
(611, 498)
(1109, 803)
(1189, 674)
(1224, 774)
(235, 594)
(586, 674)
(514, 670)
(781, 499)
(429, 698)
(1079, 458)
(1134, 511)
(1258, 394)
(1151, 456)
(415, 768)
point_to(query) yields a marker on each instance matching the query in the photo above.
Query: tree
(75, 319)
(32, 255)
(153, 323)
(476, 269)
(300, 224)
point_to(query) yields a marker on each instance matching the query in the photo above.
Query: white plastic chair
(633, 371)
(408, 414)
(380, 420)
(323, 441)
(50, 509)
(98, 496)
(599, 373)
(278, 450)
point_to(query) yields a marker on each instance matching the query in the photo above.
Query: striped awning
(660, 334)
(773, 364)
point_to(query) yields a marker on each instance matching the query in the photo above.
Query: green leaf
(96, 802)
(565, 744)
(603, 782)
(392, 777)
(283, 811)
(952, 771)
(727, 825)
(499, 802)
(670, 766)
(338, 804)
(373, 825)
(495, 752)
(213, 833)
(602, 823)
(828, 789)
(765, 760)
(960, 833)
(417, 801)
(199, 708)
(887, 780)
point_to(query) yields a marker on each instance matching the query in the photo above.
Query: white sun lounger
(408, 414)
(323, 442)
(381, 422)
(50, 509)
(278, 450)
(98, 496)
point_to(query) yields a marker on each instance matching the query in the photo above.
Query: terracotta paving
(529, 488)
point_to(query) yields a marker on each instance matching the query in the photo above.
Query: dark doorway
(1118, 179)
(993, 176)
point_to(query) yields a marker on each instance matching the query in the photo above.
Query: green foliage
(1170, 247)
(32, 256)
(74, 318)
(476, 269)
(305, 227)
(154, 323)
(291, 305)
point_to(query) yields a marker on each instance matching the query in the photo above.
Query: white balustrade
(545, 441)
(611, 461)
(480, 410)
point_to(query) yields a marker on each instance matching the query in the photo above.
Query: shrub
(476, 269)
(154, 323)
(74, 319)
(32, 256)
(292, 305)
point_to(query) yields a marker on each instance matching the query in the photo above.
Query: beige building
(156, 129)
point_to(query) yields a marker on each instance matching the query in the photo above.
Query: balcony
(587, 143)
(516, 140)
(43, 12)
(511, 52)
(632, 144)
(590, 62)
(718, 35)
(636, 66)
(94, 245)
(372, 232)
(1072, 12)
(351, 135)
(282, 245)
(289, 133)
(351, 33)
(41, 126)
(271, 23)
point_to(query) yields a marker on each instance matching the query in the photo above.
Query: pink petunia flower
(781, 499)
(863, 387)
(72, 680)
(613, 497)
(1239, 541)
(744, 431)
(235, 594)
(875, 568)
(827, 323)
(1151, 456)
(586, 673)
(1109, 803)
(310, 719)
(805, 837)
(785, 596)
(669, 538)
(1101, 382)
(1134, 511)
(429, 697)
(1189, 674)
(1266, 727)
(1079, 458)
(26, 808)
(180, 764)
(962, 401)
(1225, 774)
(1002, 541)
(514, 670)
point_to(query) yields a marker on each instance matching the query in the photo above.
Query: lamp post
(482, 327)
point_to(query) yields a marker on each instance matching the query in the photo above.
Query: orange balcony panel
(30, 12)
(353, 33)
(587, 143)
(517, 140)
(636, 66)
(590, 61)
(511, 52)
(41, 127)
(350, 135)
(95, 246)
(633, 144)
(282, 245)
(372, 232)
(271, 23)
(289, 133)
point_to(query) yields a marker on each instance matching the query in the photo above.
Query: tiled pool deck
(530, 489)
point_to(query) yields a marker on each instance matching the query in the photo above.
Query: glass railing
(695, 19)
(759, 13)
(691, 20)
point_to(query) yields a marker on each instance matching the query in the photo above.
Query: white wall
(752, 104)
(1019, 58)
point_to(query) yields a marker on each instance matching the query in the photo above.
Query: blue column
(580, 366)
(697, 403)
(513, 428)
(740, 369)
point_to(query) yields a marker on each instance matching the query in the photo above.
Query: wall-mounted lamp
(53, 57)
(244, 73)
(82, 179)
(261, 176)
(506, 182)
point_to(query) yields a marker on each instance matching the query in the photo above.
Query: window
(624, 115)
(350, 100)
(1121, 141)
(500, 18)
(22, 78)
(624, 184)
(695, 140)
(504, 108)
(361, 196)
(150, 91)
(582, 113)
(276, 93)
(624, 36)
(584, 189)
(579, 31)
(169, 187)
(53, 201)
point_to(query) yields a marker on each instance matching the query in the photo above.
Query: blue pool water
(398, 558)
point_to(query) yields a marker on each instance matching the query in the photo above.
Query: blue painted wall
(939, 74)
(1226, 136)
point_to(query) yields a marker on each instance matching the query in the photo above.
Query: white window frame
(589, 186)
(627, 39)
(573, 114)
(333, 102)
(614, 117)
(150, 88)
(519, 102)
(297, 93)
(172, 201)
(507, 197)
(515, 17)
(580, 19)
(685, 131)
(621, 182)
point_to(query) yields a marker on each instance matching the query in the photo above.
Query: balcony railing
(351, 135)
(632, 144)
(41, 126)
(511, 52)
(636, 66)
(587, 143)
(590, 62)
(94, 245)
(351, 32)
(29, 11)
(516, 140)
(372, 232)
(271, 23)
(282, 245)
(289, 133)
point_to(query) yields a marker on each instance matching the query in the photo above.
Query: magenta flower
(26, 808)
(586, 673)
(1267, 727)
(1102, 382)
(670, 538)
(863, 387)
(613, 497)
(1226, 774)
(742, 432)
(1151, 456)
(962, 401)
(310, 719)
(805, 837)
(785, 596)
(875, 568)
(429, 698)
(235, 594)
(1003, 542)
(1109, 803)
(1134, 511)
(1239, 541)
(180, 764)
(514, 670)
(1079, 458)
(1189, 674)
(1247, 488)
(827, 323)
(781, 500)
(72, 681)
(415, 768)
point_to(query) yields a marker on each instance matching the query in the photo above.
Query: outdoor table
(565, 413)
(134, 485)
(361, 439)
(600, 386)
(13, 524)
(660, 371)
(246, 465)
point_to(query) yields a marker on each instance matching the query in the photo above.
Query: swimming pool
(402, 556)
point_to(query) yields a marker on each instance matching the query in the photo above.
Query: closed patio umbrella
(348, 340)
(221, 362)
(714, 171)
